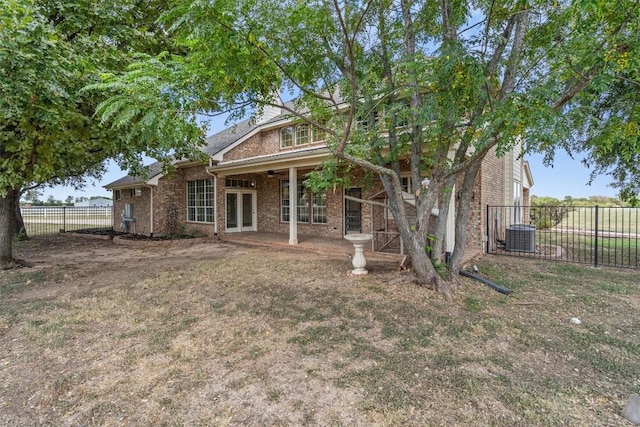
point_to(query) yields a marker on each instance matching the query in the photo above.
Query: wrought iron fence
(595, 235)
(53, 219)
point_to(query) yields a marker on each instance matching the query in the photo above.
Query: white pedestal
(359, 261)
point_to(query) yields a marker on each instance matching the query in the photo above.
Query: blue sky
(567, 177)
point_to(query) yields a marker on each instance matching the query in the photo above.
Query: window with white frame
(517, 201)
(200, 201)
(136, 192)
(301, 134)
(285, 201)
(117, 194)
(405, 183)
(240, 183)
(319, 209)
(369, 120)
(303, 202)
(286, 137)
(317, 134)
(310, 207)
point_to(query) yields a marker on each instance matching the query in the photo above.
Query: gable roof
(220, 141)
(153, 170)
(217, 144)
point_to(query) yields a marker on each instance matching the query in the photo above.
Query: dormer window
(302, 134)
(286, 137)
(317, 134)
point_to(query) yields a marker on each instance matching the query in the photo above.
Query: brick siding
(492, 183)
(141, 210)
(262, 144)
(169, 198)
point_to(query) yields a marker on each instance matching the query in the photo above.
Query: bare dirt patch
(86, 263)
(219, 334)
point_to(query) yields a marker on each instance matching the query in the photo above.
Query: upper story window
(317, 134)
(370, 121)
(118, 194)
(136, 192)
(286, 137)
(301, 134)
(381, 118)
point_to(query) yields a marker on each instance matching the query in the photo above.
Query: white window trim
(310, 135)
(292, 135)
(298, 134)
(205, 207)
(308, 205)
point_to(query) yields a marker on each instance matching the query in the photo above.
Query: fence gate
(592, 235)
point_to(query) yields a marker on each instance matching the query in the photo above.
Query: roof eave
(264, 164)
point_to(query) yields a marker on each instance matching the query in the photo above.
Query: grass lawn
(621, 252)
(230, 335)
(622, 220)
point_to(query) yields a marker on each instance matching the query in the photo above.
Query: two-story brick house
(253, 182)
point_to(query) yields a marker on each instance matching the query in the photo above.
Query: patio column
(293, 206)
(450, 234)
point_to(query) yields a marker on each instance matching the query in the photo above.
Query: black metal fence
(53, 219)
(595, 235)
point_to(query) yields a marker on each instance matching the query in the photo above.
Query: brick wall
(141, 210)
(267, 142)
(169, 203)
(169, 200)
(262, 144)
(492, 176)
(268, 207)
(475, 228)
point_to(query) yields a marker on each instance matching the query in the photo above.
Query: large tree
(50, 50)
(437, 84)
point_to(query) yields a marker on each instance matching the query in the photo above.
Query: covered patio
(310, 243)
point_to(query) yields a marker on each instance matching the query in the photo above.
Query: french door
(240, 209)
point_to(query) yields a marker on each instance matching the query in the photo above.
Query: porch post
(293, 206)
(450, 234)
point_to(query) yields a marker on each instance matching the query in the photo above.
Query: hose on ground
(487, 282)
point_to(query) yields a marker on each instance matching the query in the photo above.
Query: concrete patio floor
(317, 244)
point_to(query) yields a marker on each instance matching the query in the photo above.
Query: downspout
(215, 198)
(450, 233)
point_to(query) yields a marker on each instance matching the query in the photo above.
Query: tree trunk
(414, 236)
(6, 215)
(423, 268)
(18, 230)
(462, 217)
